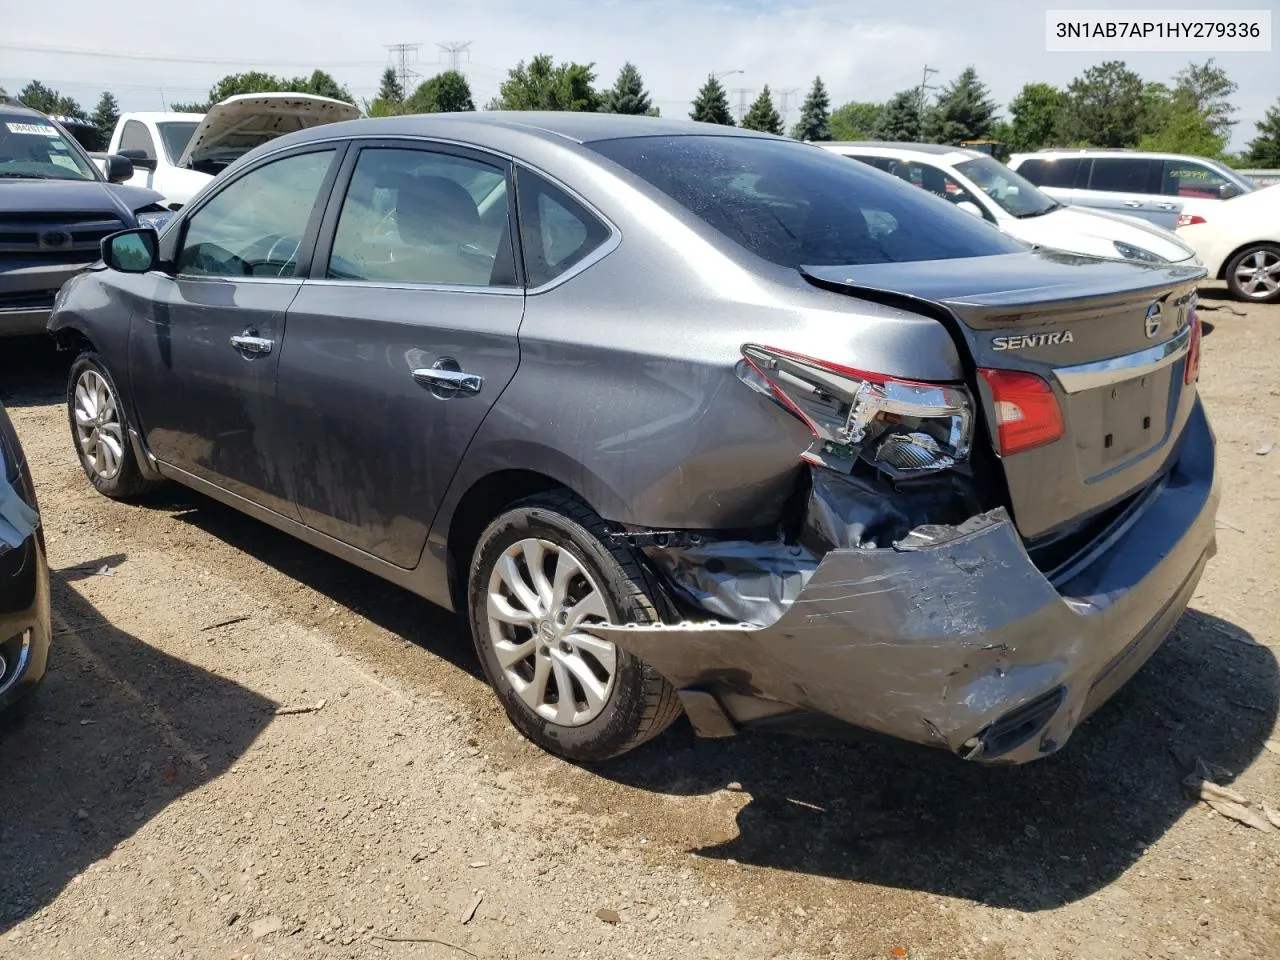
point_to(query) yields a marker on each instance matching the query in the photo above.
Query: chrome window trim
(1101, 373)
(503, 291)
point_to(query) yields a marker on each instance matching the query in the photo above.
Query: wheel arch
(1226, 261)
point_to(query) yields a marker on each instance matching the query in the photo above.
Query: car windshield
(798, 205)
(1016, 195)
(176, 134)
(33, 148)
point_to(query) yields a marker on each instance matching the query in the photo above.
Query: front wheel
(1254, 274)
(539, 571)
(101, 430)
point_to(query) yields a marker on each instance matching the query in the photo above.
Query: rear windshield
(798, 205)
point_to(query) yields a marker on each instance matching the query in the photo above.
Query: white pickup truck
(176, 154)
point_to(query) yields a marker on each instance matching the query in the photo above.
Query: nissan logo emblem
(54, 238)
(1153, 320)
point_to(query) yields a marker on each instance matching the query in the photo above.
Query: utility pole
(742, 93)
(455, 51)
(784, 96)
(924, 85)
(400, 52)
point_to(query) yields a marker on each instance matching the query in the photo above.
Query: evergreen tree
(1036, 112)
(47, 100)
(1106, 106)
(542, 84)
(447, 92)
(763, 115)
(900, 119)
(390, 90)
(1206, 88)
(106, 114)
(964, 111)
(1264, 149)
(628, 94)
(815, 115)
(712, 104)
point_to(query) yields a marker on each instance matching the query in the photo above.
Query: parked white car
(1238, 240)
(984, 187)
(176, 154)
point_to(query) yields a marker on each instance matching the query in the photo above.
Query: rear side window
(796, 205)
(1123, 174)
(556, 232)
(1061, 174)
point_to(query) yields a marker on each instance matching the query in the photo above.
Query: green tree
(763, 116)
(855, 121)
(318, 83)
(1106, 107)
(711, 105)
(390, 89)
(1158, 108)
(815, 115)
(1190, 132)
(1205, 88)
(106, 114)
(964, 111)
(47, 100)
(543, 84)
(1036, 113)
(628, 95)
(1264, 149)
(446, 92)
(900, 118)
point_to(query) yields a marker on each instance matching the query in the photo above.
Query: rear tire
(100, 431)
(1253, 274)
(538, 569)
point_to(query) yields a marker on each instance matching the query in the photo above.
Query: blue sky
(863, 50)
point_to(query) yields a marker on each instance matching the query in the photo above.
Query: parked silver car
(682, 417)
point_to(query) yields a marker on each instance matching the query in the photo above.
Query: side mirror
(968, 206)
(139, 159)
(131, 251)
(1227, 191)
(117, 168)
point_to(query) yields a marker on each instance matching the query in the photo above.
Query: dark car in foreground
(55, 209)
(24, 576)
(682, 418)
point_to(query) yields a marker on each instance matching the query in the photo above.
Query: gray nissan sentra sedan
(684, 418)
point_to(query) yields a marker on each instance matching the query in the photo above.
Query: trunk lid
(1088, 328)
(238, 124)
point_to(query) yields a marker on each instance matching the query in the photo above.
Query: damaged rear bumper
(954, 638)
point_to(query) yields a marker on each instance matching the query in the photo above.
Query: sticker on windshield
(35, 129)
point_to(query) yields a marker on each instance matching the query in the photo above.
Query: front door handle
(248, 343)
(1133, 203)
(442, 378)
(1166, 206)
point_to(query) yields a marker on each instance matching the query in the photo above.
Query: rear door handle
(1166, 206)
(1133, 203)
(248, 343)
(446, 379)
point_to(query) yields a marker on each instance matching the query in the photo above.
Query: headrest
(433, 209)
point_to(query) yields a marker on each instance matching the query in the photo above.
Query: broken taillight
(1191, 372)
(902, 427)
(1027, 414)
(1189, 219)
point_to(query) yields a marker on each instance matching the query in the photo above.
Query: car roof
(1059, 152)
(160, 116)
(16, 111)
(485, 126)
(933, 149)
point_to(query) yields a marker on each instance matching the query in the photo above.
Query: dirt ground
(156, 805)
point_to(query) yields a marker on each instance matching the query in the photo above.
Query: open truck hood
(238, 124)
(1111, 339)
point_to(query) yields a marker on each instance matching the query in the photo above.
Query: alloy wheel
(538, 596)
(1258, 275)
(99, 431)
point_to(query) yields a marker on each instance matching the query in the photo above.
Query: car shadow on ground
(117, 733)
(32, 371)
(1032, 837)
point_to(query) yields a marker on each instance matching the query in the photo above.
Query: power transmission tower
(784, 96)
(455, 51)
(742, 93)
(924, 85)
(400, 52)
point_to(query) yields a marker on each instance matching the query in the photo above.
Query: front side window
(32, 148)
(175, 135)
(136, 138)
(254, 226)
(1122, 174)
(413, 216)
(796, 205)
(1016, 195)
(1185, 178)
(556, 232)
